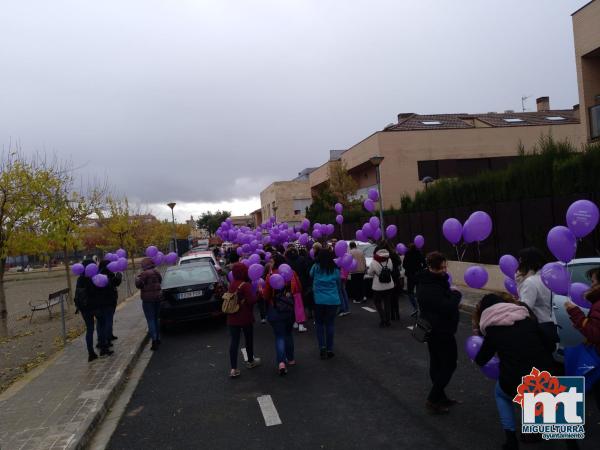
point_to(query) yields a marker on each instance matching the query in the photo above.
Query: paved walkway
(61, 407)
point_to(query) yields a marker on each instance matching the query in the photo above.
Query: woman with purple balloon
(149, 283)
(381, 269)
(505, 327)
(110, 295)
(533, 292)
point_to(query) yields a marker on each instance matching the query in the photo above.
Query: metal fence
(516, 224)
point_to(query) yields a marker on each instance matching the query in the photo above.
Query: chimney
(543, 104)
(403, 116)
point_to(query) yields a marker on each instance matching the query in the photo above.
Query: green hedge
(552, 168)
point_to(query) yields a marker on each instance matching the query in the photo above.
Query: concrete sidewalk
(471, 297)
(60, 408)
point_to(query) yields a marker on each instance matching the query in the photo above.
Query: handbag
(421, 330)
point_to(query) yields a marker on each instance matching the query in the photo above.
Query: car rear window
(188, 275)
(368, 250)
(195, 260)
(578, 272)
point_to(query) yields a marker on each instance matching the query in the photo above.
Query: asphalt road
(370, 396)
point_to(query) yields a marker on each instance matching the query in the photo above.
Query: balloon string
(457, 255)
(478, 251)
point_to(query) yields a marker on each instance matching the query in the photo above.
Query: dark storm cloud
(204, 101)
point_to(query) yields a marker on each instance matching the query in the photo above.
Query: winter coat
(438, 304)
(85, 296)
(301, 266)
(326, 286)
(536, 295)
(361, 261)
(246, 297)
(520, 347)
(375, 269)
(148, 282)
(413, 263)
(589, 326)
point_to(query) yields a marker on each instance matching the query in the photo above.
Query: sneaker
(344, 313)
(254, 363)
(106, 352)
(154, 346)
(330, 354)
(450, 402)
(357, 302)
(234, 373)
(282, 369)
(263, 321)
(92, 356)
(302, 328)
(295, 325)
(436, 408)
(113, 337)
(323, 353)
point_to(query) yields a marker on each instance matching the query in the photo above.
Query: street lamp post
(376, 161)
(172, 205)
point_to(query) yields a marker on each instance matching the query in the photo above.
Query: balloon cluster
(492, 367)
(159, 257)
(117, 263)
(582, 217)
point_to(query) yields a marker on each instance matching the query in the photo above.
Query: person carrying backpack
(242, 320)
(381, 269)
(280, 314)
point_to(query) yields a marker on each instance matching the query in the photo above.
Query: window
(595, 122)
(431, 122)
(555, 118)
(301, 204)
(513, 120)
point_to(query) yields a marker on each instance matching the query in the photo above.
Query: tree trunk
(3, 309)
(68, 273)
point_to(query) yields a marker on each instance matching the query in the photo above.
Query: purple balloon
(305, 224)
(91, 270)
(373, 194)
(171, 258)
(151, 251)
(286, 272)
(511, 286)
(268, 256)
(122, 264)
(401, 249)
(367, 230)
(77, 269)
(158, 259)
(346, 261)
(481, 225)
(100, 280)
(230, 277)
(472, 346)
(509, 265)
(449, 278)
(239, 251)
(452, 230)
(353, 266)
(577, 294)
(562, 243)
(254, 259)
(468, 233)
(339, 208)
(360, 236)
(556, 278)
(582, 217)
(341, 248)
(391, 231)
(339, 219)
(108, 256)
(369, 205)
(330, 229)
(311, 253)
(492, 368)
(276, 281)
(419, 241)
(255, 271)
(317, 234)
(377, 234)
(121, 253)
(374, 221)
(113, 266)
(476, 277)
(303, 239)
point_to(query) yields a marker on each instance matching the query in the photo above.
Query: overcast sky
(205, 102)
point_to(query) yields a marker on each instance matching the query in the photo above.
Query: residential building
(257, 217)
(241, 221)
(586, 30)
(286, 200)
(422, 148)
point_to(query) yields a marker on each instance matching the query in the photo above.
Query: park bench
(55, 298)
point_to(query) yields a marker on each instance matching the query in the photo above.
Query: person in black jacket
(438, 304)
(413, 264)
(511, 330)
(88, 302)
(110, 298)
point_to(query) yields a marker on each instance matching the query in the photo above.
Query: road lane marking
(366, 308)
(269, 412)
(245, 354)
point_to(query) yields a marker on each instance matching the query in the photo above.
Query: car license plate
(191, 294)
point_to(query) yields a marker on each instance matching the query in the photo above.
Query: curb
(87, 432)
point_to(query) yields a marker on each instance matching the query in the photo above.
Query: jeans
(325, 321)
(108, 312)
(88, 318)
(262, 308)
(506, 409)
(152, 311)
(411, 284)
(344, 306)
(355, 286)
(234, 346)
(284, 341)
(383, 303)
(443, 355)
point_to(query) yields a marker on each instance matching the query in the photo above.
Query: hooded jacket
(246, 297)
(438, 304)
(413, 263)
(589, 326)
(148, 282)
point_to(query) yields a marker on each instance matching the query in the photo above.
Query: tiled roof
(413, 122)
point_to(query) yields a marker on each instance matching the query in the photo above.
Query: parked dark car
(191, 292)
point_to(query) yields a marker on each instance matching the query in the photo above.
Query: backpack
(283, 301)
(231, 303)
(81, 298)
(385, 276)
